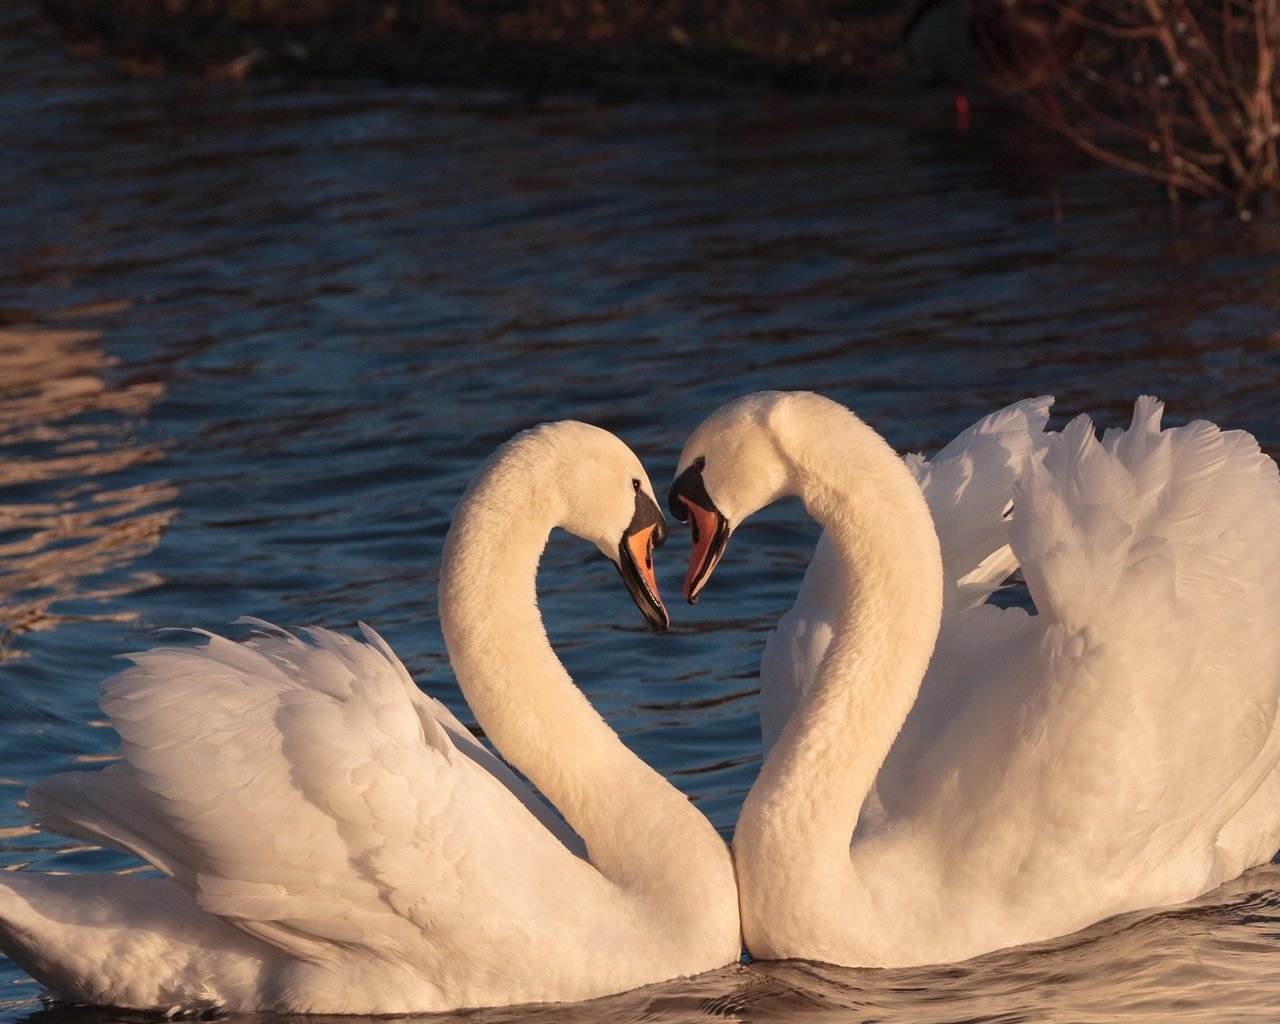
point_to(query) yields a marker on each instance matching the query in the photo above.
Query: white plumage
(1116, 750)
(335, 841)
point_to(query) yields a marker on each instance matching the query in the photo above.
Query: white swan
(1116, 750)
(340, 843)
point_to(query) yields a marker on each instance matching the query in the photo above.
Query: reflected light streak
(65, 425)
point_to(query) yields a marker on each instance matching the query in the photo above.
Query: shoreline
(614, 46)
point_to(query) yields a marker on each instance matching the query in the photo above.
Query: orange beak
(636, 567)
(710, 533)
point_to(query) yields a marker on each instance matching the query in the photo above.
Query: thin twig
(1191, 83)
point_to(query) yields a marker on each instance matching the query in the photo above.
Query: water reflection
(67, 441)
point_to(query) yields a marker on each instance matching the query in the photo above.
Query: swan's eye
(635, 485)
(700, 463)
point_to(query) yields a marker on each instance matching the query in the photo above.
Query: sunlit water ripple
(259, 337)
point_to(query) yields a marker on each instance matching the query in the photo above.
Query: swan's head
(607, 499)
(731, 466)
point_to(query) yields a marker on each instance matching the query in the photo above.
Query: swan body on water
(335, 841)
(945, 777)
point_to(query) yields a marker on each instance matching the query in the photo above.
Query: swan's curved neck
(809, 792)
(524, 699)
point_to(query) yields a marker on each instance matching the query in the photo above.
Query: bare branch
(1181, 91)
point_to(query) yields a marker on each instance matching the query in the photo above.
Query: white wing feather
(1124, 736)
(1113, 743)
(308, 793)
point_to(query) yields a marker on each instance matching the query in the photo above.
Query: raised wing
(1120, 733)
(1154, 556)
(309, 794)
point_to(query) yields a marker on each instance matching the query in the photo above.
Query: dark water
(279, 327)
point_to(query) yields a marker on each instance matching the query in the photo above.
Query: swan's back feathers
(111, 808)
(301, 790)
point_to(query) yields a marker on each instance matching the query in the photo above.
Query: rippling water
(258, 337)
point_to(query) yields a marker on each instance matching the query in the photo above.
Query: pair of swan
(942, 777)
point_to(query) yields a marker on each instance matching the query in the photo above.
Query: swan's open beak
(647, 531)
(689, 501)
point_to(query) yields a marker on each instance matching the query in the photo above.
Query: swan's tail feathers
(120, 940)
(110, 807)
(969, 486)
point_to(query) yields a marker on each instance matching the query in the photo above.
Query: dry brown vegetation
(1183, 91)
